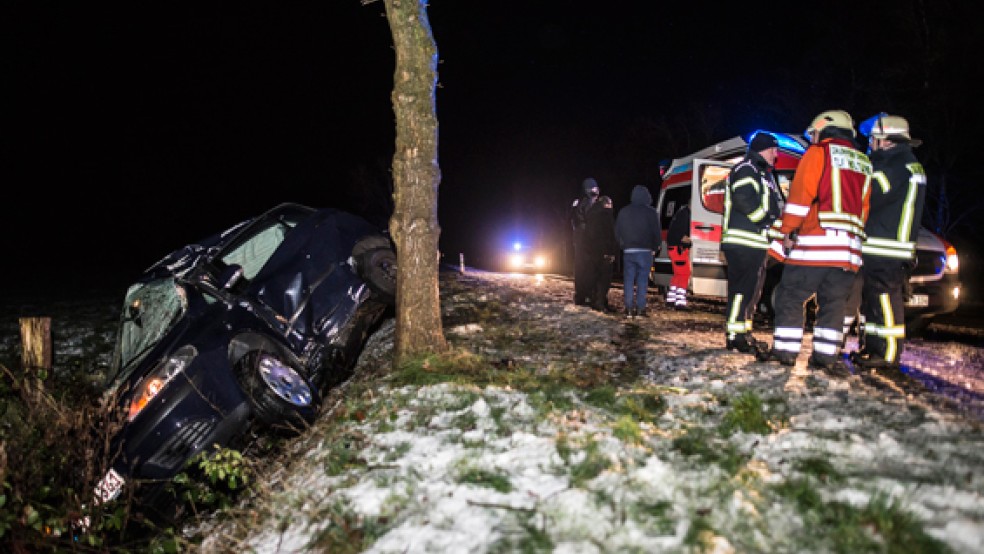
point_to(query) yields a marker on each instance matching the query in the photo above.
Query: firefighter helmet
(892, 127)
(831, 118)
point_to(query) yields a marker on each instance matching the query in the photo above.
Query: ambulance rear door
(709, 181)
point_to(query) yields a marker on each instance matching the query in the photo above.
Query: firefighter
(752, 203)
(678, 244)
(822, 229)
(889, 250)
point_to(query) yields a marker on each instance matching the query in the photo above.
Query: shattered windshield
(149, 311)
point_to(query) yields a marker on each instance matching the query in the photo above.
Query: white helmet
(891, 127)
(831, 118)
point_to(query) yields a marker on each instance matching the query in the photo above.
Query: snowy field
(881, 446)
(461, 468)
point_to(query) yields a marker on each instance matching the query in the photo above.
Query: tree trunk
(416, 176)
(36, 343)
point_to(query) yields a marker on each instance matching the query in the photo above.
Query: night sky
(133, 128)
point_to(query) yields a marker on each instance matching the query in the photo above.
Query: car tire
(375, 262)
(281, 398)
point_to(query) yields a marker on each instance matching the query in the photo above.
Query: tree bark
(416, 176)
(36, 342)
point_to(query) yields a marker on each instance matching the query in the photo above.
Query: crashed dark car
(245, 330)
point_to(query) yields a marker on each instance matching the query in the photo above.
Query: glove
(789, 242)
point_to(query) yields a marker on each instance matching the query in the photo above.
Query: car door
(708, 186)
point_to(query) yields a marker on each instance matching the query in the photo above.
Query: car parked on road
(699, 179)
(247, 329)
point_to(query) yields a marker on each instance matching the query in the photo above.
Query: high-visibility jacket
(897, 196)
(752, 202)
(827, 206)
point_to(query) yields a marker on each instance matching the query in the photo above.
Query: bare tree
(416, 176)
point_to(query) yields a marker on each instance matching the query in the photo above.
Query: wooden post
(36, 342)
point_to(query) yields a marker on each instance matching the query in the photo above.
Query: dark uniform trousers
(601, 283)
(832, 285)
(746, 275)
(584, 275)
(882, 304)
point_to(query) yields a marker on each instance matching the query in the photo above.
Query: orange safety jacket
(827, 207)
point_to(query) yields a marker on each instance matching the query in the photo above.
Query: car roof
(791, 149)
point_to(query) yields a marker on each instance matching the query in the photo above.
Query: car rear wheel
(280, 396)
(376, 263)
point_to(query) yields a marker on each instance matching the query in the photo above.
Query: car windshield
(149, 311)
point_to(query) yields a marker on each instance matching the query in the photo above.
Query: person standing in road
(678, 244)
(595, 246)
(889, 250)
(752, 203)
(822, 229)
(637, 229)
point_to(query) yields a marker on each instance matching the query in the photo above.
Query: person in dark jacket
(678, 244)
(752, 202)
(898, 192)
(638, 232)
(593, 222)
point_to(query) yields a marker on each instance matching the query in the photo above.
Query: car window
(149, 311)
(713, 182)
(673, 198)
(253, 254)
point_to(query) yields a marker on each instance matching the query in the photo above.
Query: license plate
(109, 487)
(918, 300)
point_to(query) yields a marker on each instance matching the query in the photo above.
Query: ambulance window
(673, 198)
(713, 181)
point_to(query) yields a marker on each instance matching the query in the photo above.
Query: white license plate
(109, 487)
(918, 300)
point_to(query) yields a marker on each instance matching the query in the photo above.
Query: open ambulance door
(709, 277)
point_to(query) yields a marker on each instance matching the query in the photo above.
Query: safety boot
(831, 365)
(773, 355)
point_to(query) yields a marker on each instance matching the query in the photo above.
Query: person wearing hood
(898, 193)
(752, 204)
(592, 221)
(637, 229)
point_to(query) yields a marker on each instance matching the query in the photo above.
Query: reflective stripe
(827, 348)
(797, 209)
(745, 238)
(786, 346)
(733, 325)
(823, 333)
(788, 333)
(890, 330)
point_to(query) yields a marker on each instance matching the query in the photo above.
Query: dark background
(133, 128)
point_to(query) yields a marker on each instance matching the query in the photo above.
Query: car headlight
(952, 262)
(516, 260)
(155, 381)
(540, 261)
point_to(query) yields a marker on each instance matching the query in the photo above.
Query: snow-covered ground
(463, 468)
(470, 469)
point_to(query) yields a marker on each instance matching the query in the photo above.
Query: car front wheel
(280, 396)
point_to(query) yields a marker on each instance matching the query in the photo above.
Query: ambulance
(699, 179)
